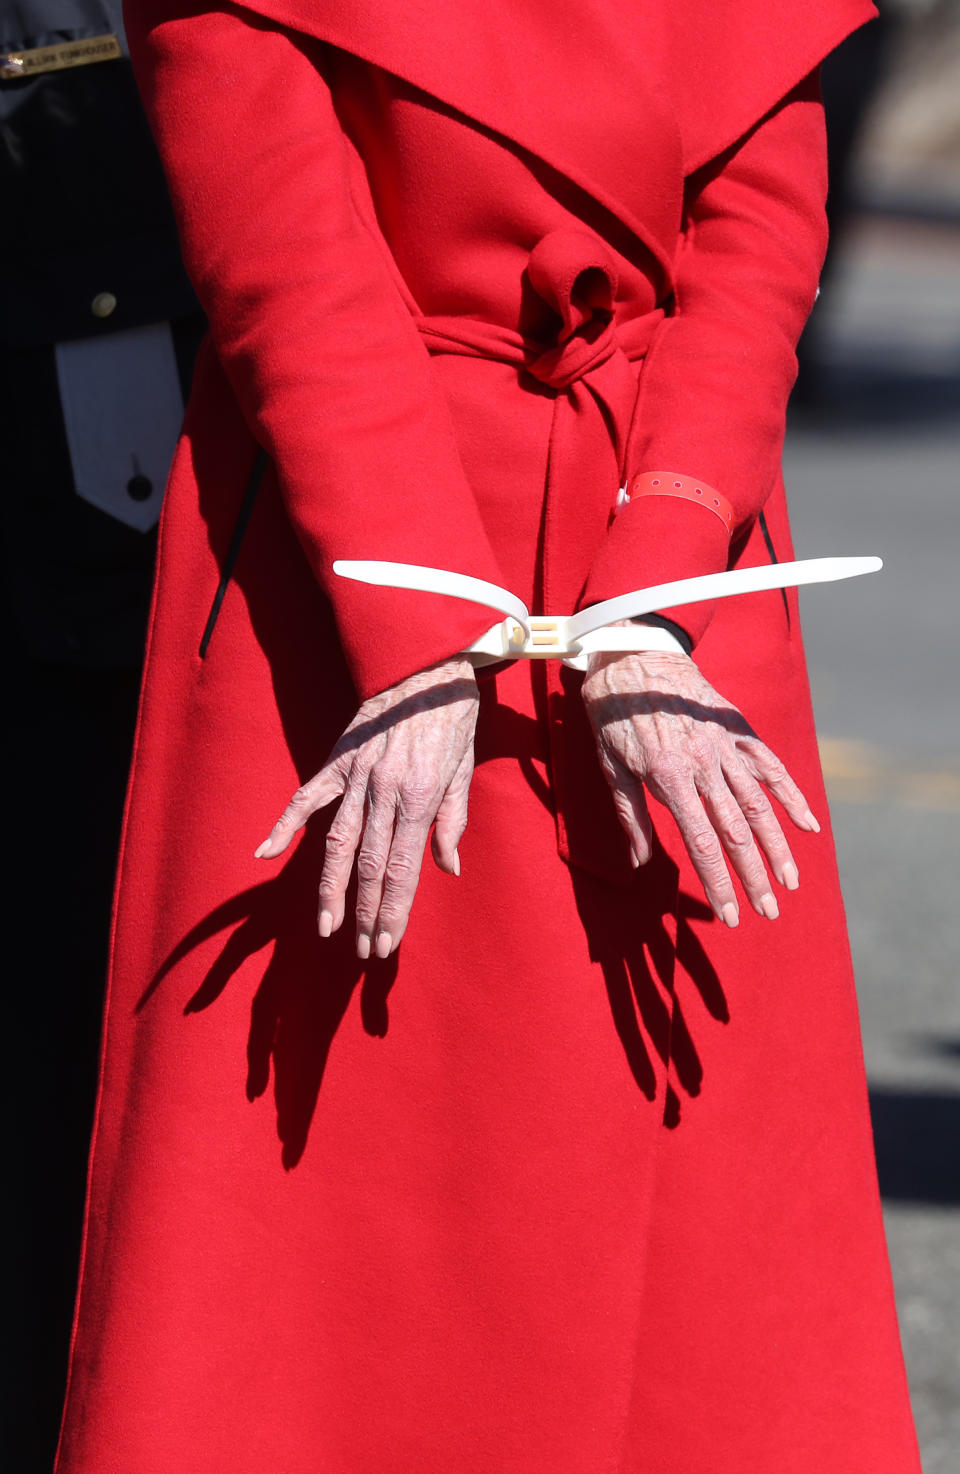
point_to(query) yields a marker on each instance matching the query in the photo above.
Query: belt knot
(577, 277)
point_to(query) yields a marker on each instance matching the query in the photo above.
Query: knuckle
(416, 798)
(369, 867)
(738, 833)
(401, 869)
(703, 843)
(668, 769)
(290, 818)
(755, 806)
(700, 751)
(338, 842)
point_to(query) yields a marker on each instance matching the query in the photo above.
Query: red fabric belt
(576, 275)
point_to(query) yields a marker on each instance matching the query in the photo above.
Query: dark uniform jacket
(88, 250)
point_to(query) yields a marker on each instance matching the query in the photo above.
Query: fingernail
(812, 822)
(790, 876)
(363, 947)
(261, 850)
(634, 858)
(768, 906)
(730, 914)
(325, 923)
(384, 943)
(456, 862)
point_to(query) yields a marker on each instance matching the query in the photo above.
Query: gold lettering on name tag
(17, 64)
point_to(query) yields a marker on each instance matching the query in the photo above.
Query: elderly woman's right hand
(404, 764)
(660, 726)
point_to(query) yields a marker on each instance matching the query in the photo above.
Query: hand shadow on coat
(308, 982)
(644, 971)
(640, 930)
(297, 1007)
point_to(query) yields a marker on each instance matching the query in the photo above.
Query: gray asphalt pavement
(877, 469)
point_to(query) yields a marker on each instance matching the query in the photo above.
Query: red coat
(578, 1181)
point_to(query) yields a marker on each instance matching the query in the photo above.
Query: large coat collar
(624, 97)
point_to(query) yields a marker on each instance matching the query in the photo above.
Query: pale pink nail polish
(769, 907)
(325, 923)
(261, 850)
(456, 862)
(790, 876)
(730, 913)
(812, 822)
(363, 948)
(384, 943)
(634, 858)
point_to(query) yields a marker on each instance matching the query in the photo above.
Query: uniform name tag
(16, 64)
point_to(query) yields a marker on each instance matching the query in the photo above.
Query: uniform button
(103, 304)
(140, 488)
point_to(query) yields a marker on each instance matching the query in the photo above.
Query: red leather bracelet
(668, 483)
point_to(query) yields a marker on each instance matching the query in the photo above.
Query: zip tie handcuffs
(573, 637)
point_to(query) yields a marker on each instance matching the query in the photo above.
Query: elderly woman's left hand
(401, 768)
(660, 724)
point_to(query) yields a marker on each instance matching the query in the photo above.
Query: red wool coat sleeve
(310, 323)
(714, 389)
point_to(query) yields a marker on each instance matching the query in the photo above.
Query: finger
(630, 802)
(400, 879)
(372, 855)
(701, 842)
(343, 838)
(452, 817)
(766, 766)
(736, 836)
(321, 790)
(762, 819)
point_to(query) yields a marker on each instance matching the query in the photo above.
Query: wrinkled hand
(659, 724)
(404, 764)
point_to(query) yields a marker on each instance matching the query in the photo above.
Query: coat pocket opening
(236, 543)
(765, 531)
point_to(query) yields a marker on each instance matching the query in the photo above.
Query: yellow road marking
(857, 772)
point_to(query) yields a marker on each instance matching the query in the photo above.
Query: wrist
(660, 636)
(682, 642)
(642, 662)
(456, 666)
